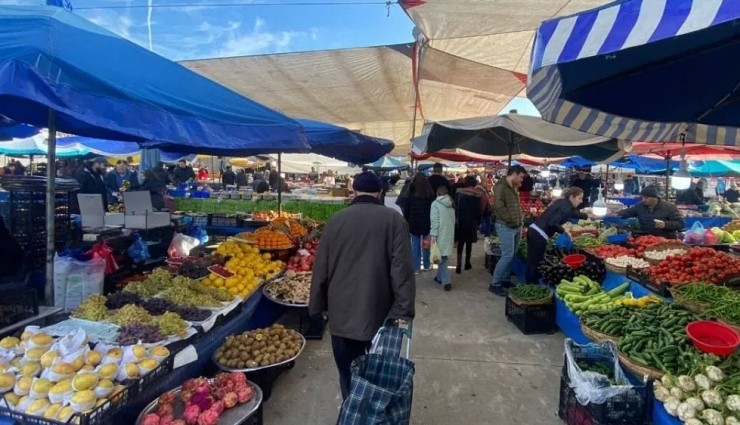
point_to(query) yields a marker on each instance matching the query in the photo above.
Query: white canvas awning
(301, 163)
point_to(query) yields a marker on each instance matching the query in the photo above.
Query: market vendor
(546, 225)
(656, 216)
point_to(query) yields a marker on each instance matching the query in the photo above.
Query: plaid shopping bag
(382, 385)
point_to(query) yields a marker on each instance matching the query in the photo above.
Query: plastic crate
(138, 386)
(223, 221)
(199, 219)
(531, 319)
(630, 408)
(98, 416)
(17, 303)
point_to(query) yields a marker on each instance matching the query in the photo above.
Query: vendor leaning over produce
(362, 274)
(550, 222)
(656, 216)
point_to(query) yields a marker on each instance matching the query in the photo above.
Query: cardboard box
(140, 214)
(92, 212)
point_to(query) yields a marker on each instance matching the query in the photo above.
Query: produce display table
(627, 200)
(256, 312)
(661, 417)
(707, 222)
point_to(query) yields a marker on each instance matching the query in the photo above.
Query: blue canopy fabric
(387, 163)
(106, 87)
(644, 70)
(10, 129)
(645, 165)
(715, 168)
(576, 162)
(343, 144)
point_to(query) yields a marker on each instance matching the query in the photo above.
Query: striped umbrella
(648, 70)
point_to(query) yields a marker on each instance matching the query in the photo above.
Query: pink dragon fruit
(150, 419)
(167, 398)
(192, 386)
(217, 406)
(203, 401)
(230, 400)
(219, 393)
(238, 377)
(166, 419)
(164, 409)
(209, 417)
(191, 413)
(245, 395)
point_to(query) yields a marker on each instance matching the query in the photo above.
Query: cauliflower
(712, 417)
(696, 402)
(685, 411)
(714, 373)
(702, 382)
(671, 405)
(678, 393)
(686, 383)
(711, 398)
(733, 403)
(661, 393)
(731, 420)
(667, 381)
(693, 421)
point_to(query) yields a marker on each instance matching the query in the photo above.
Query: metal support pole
(280, 183)
(50, 208)
(667, 175)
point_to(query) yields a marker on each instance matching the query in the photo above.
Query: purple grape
(193, 314)
(117, 300)
(132, 334)
(159, 306)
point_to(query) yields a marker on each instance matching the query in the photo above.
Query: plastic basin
(713, 337)
(574, 260)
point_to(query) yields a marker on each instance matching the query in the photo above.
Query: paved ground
(472, 366)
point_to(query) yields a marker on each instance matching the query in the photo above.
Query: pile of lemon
(249, 266)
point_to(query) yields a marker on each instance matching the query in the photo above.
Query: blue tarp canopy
(644, 165)
(644, 70)
(106, 87)
(387, 163)
(343, 144)
(10, 129)
(715, 168)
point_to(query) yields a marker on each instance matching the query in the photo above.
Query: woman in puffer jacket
(416, 211)
(443, 233)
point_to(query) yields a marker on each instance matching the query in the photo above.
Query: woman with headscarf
(416, 211)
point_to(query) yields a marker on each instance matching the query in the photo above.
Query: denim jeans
(417, 252)
(443, 274)
(509, 240)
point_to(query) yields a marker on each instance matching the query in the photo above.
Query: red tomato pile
(611, 251)
(640, 243)
(537, 205)
(697, 265)
(303, 259)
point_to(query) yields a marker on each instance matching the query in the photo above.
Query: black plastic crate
(199, 219)
(17, 303)
(531, 319)
(138, 386)
(630, 408)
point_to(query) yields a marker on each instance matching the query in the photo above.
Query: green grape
(130, 314)
(172, 324)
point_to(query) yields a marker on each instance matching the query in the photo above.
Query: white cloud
(259, 40)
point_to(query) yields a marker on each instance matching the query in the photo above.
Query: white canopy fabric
(497, 33)
(301, 163)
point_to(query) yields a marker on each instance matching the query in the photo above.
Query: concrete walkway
(472, 365)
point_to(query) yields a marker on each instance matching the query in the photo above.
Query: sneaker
(448, 286)
(497, 290)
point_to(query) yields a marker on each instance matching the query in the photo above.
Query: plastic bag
(103, 251)
(710, 238)
(199, 233)
(592, 387)
(434, 254)
(564, 242)
(76, 280)
(695, 235)
(181, 245)
(426, 242)
(138, 251)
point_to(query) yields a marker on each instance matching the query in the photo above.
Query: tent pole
(606, 182)
(280, 184)
(50, 207)
(511, 147)
(667, 174)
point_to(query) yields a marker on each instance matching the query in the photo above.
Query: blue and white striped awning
(647, 70)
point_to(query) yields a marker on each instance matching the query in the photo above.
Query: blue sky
(257, 27)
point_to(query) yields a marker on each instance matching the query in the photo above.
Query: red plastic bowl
(713, 337)
(574, 260)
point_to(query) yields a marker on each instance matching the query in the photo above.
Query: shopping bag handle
(404, 327)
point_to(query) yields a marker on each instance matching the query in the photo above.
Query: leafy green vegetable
(315, 210)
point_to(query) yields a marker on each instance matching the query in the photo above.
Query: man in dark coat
(183, 172)
(228, 177)
(362, 274)
(91, 180)
(656, 216)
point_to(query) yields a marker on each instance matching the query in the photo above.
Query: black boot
(457, 268)
(468, 266)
